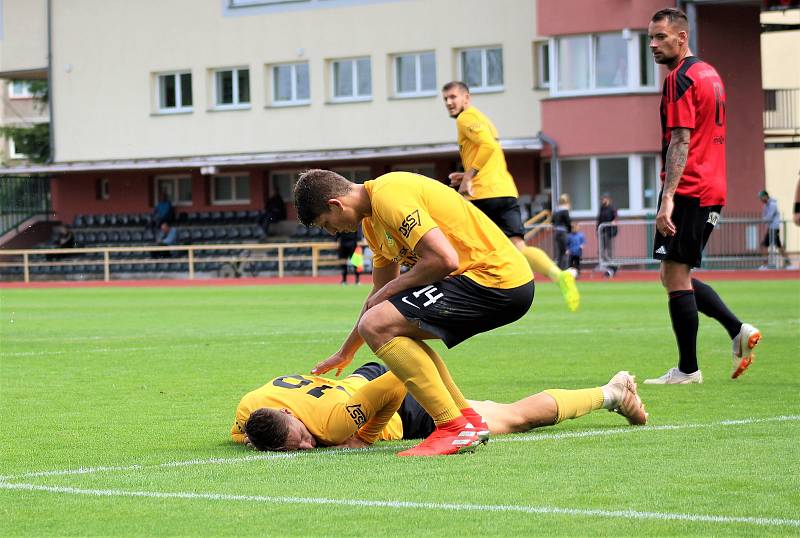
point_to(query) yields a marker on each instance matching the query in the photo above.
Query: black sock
(683, 312)
(710, 304)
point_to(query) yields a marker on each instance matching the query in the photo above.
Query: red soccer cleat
(480, 424)
(454, 437)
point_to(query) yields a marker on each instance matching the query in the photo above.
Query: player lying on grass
(299, 412)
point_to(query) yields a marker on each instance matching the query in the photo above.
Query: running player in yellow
(465, 278)
(295, 412)
(487, 183)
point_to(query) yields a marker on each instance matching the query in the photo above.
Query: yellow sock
(576, 403)
(445, 376)
(541, 263)
(412, 365)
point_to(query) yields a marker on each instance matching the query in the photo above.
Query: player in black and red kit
(693, 193)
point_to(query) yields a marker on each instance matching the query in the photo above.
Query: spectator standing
(575, 242)
(606, 234)
(275, 211)
(164, 211)
(348, 241)
(562, 224)
(772, 216)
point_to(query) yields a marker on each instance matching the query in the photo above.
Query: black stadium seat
(78, 221)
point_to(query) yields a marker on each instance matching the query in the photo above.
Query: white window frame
(294, 175)
(26, 92)
(484, 87)
(236, 105)
(633, 39)
(635, 184)
(179, 108)
(356, 96)
(294, 101)
(175, 180)
(542, 53)
(235, 200)
(418, 92)
(103, 191)
(12, 150)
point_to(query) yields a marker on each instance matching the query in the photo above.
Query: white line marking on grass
(465, 507)
(394, 447)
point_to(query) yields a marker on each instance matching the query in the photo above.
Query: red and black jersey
(694, 98)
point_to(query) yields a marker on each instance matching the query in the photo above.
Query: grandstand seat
(215, 217)
(134, 220)
(79, 221)
(233, 234)
(184, 236)
(246, 232)
(241, 216)
(112, 220)
(137, 236)
(204, 217)
(220, 234)
(90, 238)
(228, 217)
(208, 234)
(102, 237)
(113, 236)
(300, 231)
(148, 236)
(252, 215)
(125, 236)
(196, 234)
(181, 218)
(100, 220)
(145, 219)
(89, 220)
(123, 219)
(193, 218)
(125, 267)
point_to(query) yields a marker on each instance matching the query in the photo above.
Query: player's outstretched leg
(541, 263)
(743, 344)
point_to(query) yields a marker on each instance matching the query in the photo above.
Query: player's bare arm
(677, 154)
(380, 277)
(437, 259)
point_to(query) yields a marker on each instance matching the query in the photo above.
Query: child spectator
(575, 242)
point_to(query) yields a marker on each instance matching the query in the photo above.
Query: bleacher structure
(210, 244)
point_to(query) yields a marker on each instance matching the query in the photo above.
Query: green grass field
(116, 405)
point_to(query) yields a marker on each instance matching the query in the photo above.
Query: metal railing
(109, 260)
(782, 109)
(736, 243)
(21, 198)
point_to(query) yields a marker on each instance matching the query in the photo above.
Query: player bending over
(299, 412)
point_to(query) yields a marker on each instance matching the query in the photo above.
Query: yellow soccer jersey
(479, 148)
(328, 407)
(406, 206)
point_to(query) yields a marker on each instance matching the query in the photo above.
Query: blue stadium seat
(89, 220)
(78, 221)
(100, 220)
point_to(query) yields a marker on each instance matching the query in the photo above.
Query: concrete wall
(23, 36)
(107, 52)
(556, 17)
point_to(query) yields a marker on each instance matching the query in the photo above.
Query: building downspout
(555, 174)
(51, 95)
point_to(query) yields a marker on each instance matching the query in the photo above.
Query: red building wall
(603, 124)
(729, 38)
(559, 17)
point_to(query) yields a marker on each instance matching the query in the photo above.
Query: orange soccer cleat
(454, 437)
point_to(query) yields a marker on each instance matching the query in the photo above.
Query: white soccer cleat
(676, 377)
(628, 403)
(743, 344)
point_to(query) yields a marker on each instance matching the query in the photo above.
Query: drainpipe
(555, 174)
(50, 93)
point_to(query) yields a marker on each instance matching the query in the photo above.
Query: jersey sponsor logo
(409, 223)
(713, 218)
(406, 257)
(661, 250)
(389, 240)
(357, 414)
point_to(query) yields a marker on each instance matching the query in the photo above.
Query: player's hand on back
(337, 360)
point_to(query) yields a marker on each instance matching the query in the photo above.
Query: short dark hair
(673, 15)
(456, 84)
(267, 429)
(313, 190)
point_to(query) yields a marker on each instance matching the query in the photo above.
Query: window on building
(481, 68)
(352, 79)
(232, 88)
(175, 92)
(284, 180)
(230, 189)
(290, 84)
(177, 187)
(423, 169)
(631, 180)
(12, 150)
(101, 189)
(415, 74)
(356, 175)
(542, 67)
(20, 89)
(602, 63)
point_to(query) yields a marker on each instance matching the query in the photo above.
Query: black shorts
(693, 226)
(417, 423)
(504, 212)
(772, 237)
(457, 308)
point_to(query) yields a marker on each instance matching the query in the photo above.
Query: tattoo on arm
(677, 154)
